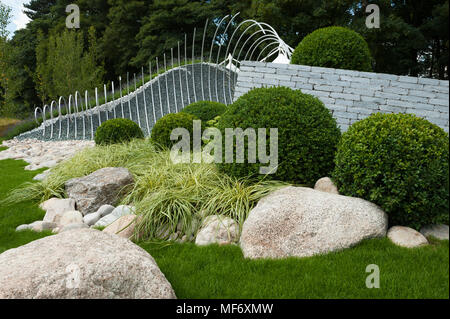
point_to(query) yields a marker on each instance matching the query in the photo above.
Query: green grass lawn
(222, 272)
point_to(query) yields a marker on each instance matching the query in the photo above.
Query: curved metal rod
(35, 114)
(179, 73)
(112, 102)
(145, 102)
(98, 108)
(151, 91)
(255, 45)
(271, 52)
(44, 118)
(187, 72)
(68, 115)
(245, 43)
(254, 23)
(218, 56)
(106, 101)
(74, 115)
(82, 112)
(211, 52)
(51, 116)
(128, 95)
(167, 86)
(193, 69)
(201, 59)
(137, 102)
(86, 98)
(121, 96)
(173, 80)
(159, 87)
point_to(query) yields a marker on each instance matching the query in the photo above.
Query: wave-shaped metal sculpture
(211, 79)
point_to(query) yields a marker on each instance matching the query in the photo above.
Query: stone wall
(353, 95)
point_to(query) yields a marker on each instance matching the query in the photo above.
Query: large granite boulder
(406, 237)
(217, 229)
(83, 263)
(299, 221)
(99, 188)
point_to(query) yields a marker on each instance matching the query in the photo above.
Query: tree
(64, 66)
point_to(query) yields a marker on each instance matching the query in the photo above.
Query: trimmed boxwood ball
(307, 133)
(165, 125)
(399, 162)
(117, 131)
(334, 47)
(205, 110)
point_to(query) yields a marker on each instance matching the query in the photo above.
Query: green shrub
(205, 110)
(307, 133)
(401, 163)
(165, 125)
(117, 131)
(334, 47)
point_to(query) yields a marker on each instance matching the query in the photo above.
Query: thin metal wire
(145, 102)
(174, 87)
(151, 91)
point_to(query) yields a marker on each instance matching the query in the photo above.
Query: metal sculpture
(249, 39)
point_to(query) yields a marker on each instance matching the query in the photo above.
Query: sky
(19, 19)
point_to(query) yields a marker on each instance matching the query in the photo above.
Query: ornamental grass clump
(167, 196)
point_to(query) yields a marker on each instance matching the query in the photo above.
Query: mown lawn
(222, 272)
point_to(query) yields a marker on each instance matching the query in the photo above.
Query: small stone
(440, 231)
(123, 226)
(23, 227)
(325, 184)
(105, 210)
(91, 219)
(406, 237)
(218, 229)
(56, 207)
(72, 217)
(114, 215)
(39, 226)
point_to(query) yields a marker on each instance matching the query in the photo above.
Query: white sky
(19, 19)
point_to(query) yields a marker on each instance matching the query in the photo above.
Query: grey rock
(23, 227)
(39, 226)
(301, 222)
(406, 237)
(440, 231)
(42, 176)
(325, 184)
(101, 187)
(105, 210)
(91, 219)
(56, 207)
(72, 217)
(217, 229)
(81, 264)
(115, 214)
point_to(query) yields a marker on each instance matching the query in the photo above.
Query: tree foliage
(413, 38)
